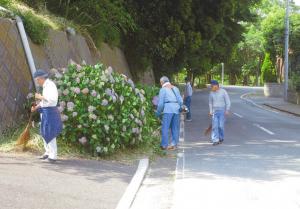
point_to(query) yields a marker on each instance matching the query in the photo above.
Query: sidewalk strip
(181, 134)
(132, 189)
(264, 129)
(243, 97)
(236, 114)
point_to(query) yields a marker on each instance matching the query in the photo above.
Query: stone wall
(294, 97)
(15, 77)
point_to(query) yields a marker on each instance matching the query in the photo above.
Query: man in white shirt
(187, 98)
(51, 124)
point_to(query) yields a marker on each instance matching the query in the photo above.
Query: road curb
(243, 97)
(134, 185)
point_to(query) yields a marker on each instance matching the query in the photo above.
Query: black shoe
(49, 160)
(43, 157)
(221, 141)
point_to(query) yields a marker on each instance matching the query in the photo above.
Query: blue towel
(51, 125)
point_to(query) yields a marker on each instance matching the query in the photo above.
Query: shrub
(36, 28)
(268, 73)
(102, 110)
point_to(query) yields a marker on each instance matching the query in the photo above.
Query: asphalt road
(28, 183)
(257, 167)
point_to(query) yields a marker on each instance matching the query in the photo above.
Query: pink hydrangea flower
(85, 91)
(76, 90)
(66, 92)
(83, 140)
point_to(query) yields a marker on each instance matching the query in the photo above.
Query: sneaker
(215, 143)
(188, 120)
(43, 157)
(163, 148)
(221, 141)
(171, 148)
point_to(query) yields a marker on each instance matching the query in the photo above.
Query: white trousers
(51, 149)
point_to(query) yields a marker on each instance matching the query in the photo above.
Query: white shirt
(50, 94)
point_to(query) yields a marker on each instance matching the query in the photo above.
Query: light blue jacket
(168, 102)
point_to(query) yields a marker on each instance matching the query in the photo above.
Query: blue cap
(214, 82)
(40, 73)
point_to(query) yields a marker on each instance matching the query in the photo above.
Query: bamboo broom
(25, 135)
(208, 130)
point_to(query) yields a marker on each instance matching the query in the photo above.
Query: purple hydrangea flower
(94, 93)
(104, 102)
(109, 92)
(130, 82)
(70, 106)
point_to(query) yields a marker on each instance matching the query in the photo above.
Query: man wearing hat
(51, 125)
(169, 104)
(219, 106)
(187, 98)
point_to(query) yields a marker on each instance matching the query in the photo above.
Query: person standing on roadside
(51, 124)
(169, 104)
(219, 107)
(187, 98)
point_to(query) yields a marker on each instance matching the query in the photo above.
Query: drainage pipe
(26, 47)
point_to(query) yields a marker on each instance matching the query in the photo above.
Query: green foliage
(103, 111)
(192, 34)
(5, 3)
(36, 28)
(268, 73)
(105, 20)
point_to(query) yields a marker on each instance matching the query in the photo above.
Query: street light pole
(286, 52)
(222, 73)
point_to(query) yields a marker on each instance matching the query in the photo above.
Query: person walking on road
(219, 107)
(169, 104)
(187, 98)
(51, 124)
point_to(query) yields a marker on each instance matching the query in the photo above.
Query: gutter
(25, 42)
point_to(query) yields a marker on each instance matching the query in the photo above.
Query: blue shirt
(169, 101)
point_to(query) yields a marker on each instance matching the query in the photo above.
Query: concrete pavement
(28, 183)
(257, 167)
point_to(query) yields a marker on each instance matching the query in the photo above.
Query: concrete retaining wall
(15, 78)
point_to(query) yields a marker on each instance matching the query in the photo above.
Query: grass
(8, 139)
(37, 23)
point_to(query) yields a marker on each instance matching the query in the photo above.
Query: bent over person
(51, 124)
(219, 106)
(169, 105)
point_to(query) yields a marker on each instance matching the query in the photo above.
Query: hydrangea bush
(102, 110)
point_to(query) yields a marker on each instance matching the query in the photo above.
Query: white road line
(264, 129)
(240, 116)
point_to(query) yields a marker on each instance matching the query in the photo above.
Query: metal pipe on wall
(26, 47)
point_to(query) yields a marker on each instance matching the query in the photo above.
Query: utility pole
(286, 52)
(222, 73)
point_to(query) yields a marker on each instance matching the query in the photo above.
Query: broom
(208, 130)
(25, 135)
